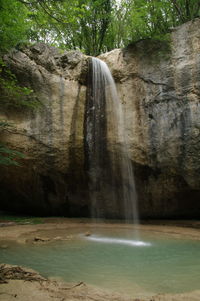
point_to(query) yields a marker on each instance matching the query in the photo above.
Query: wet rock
(58, 238)
(41, 239)
(68, 237)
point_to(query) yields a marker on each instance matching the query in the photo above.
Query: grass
(20, 219)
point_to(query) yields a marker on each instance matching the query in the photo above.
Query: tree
(94, 22)
(13, 24)
(185, 10)
(75, 24)
(133, 20)
(93, 26)
(13, 30)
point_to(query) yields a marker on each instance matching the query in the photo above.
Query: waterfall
(112, 190)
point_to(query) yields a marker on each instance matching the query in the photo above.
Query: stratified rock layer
(159, 86)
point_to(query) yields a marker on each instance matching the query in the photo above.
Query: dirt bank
(63, 228)
(21, 284)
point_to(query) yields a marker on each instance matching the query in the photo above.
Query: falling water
(111, 179)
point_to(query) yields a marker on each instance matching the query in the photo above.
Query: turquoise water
(112, 260)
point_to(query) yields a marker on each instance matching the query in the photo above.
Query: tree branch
(178, 9)
(45, 8)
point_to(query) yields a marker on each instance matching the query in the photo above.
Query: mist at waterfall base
(112, 190)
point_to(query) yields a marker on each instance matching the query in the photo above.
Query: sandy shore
(41, 289)
(63, 228)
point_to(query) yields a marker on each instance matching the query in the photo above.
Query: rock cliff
(159, 87)
(160, 91)
(51, 137)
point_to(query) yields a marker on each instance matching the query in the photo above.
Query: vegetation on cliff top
(93, 26)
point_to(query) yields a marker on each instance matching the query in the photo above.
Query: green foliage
(13, 24)
(21, 219)
(11, 93)
(185, 10)
(93, 26)
(75, 24)
(13, 30)
(4, 124)
(133, 20)
(8, 156)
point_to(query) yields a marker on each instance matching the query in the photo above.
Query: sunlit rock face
(159, 87)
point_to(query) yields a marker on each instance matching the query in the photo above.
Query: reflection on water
(109, 240)
(112, 260)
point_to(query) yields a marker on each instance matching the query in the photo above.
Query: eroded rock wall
(51, 136)
(159, 87)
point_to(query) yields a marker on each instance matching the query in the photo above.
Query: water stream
(112, 189)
